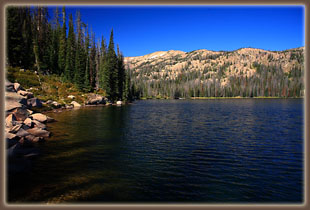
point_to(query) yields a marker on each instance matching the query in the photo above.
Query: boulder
(9, 86)
(70, 106)
(14, 100)
(119, 103)
(34, 102)
(39, 124)
(55, 104)
(28, 122)
(75, 104)
(95, 99)
(17, 86)
(71, 96)
(49, 102)
(21, 114)
(15, 128)
(22, 133)
(10, 120)
(39, 117)
(29, 111)
(39, 132)
(25, 94)
(10, 136)
(33, 138)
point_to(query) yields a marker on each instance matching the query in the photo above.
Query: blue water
(163, 151)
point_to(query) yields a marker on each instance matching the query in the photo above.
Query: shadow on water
(170, 151)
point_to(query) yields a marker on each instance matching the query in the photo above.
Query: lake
(171, 151)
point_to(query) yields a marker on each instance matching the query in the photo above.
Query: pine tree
(79, 74)
(62, 43)
(92, 62)
(110, 72)
(87, 86)
(70, 58)
(120, 73)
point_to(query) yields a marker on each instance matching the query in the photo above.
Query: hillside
(246, 72)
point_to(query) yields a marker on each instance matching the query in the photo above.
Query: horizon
(141, 30)
(218, 50)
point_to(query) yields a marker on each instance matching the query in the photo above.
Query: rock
(55, 104)
(94, 99)
(22, 70)
(39, 124)
(75, 104)
(69, 106)
(34, 102)
(49, 102)
(26, 94)
(34, 139)
(39, 132)
(10, 136)
(10, 120)
(20, 114)
(49, 119)
(29, 111)
(9, 86)
(28, 122)
(22, 133)
(119, 103)
(71, 96)
(16, 86)
(39, 117)
(15, 128)
(14, 100)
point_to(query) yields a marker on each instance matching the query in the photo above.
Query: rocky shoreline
(25, 123)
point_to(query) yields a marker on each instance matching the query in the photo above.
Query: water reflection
(196, 151)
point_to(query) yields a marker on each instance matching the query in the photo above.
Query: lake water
(164, 151)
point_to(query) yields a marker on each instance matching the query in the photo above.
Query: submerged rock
(39, 132)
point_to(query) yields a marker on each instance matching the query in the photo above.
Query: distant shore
(209, 98)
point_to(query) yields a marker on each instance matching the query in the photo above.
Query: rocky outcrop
(23, 128)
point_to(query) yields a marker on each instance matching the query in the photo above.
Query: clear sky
(141, 30)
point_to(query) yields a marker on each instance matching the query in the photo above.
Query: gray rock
(34, 102)
(55, 104)
(71, 96)
(39, 117)
(9, 86)
(14, 100)
(93, 99)
(119, 103)
(20, 113)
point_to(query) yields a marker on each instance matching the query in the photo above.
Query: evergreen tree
(70, 58)
(120, 73)
(110, 71)
(92, 63)
(62, 43)
(87, 86)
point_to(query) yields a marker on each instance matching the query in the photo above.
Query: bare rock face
(39, 132)
(34, 102)
(10, 120)
(75, 104)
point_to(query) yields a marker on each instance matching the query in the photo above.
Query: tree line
(269, 80)
(50, 47)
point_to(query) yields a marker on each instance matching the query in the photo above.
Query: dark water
(206, 151)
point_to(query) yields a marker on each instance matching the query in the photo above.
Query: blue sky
(140, 30)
